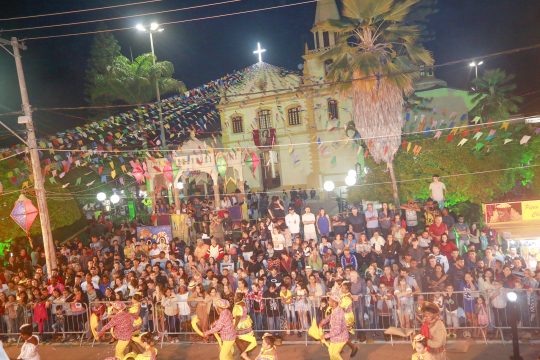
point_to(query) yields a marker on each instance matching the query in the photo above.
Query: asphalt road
(290, 352)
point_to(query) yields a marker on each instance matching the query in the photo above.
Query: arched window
(264, 118)
(333, 112)
(293, 115)
(237, 124)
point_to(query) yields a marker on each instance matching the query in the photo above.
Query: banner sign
(157, 234)
(497, 213)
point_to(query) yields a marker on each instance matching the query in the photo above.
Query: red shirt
(446, 249)
(437, 230)
(388, 281)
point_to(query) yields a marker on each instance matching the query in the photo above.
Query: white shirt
(437, 190)
(309, 228)
(377, 242)
(29, 351)
(293, 222)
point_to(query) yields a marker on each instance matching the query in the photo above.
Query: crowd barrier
(291, 317)
(52, 321)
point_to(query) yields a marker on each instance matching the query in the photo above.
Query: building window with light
(333, 113)
(264, 119)
(293, 115)
(237, 124)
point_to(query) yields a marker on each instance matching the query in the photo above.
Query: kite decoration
(24, 213)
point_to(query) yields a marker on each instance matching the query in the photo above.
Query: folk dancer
(346, 304)
(243, 325)
(434, 331)
(268, 348)
(225, 327)
(122, 324)
(339, 333)
(421, 349)
(29, 349)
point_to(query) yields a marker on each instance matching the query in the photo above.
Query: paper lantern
(24, 213)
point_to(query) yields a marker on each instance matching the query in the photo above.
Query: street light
(350, 180)
(329, 185)
(179, 185)
(115, 199)
(153, 28)
(513, 318)
(475, 65)
(101, 196)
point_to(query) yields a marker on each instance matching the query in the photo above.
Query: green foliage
(104, 49)
(493, 95)
(63, 213)
(454, 163)
(133, 82)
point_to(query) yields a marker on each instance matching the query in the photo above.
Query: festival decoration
(24, 213)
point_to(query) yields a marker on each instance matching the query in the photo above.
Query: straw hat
(118, 305)
(430, 307)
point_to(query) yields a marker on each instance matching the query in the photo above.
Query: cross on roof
(259, 51)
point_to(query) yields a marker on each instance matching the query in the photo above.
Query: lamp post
(475, 65)
(513, 312)
(155, 28)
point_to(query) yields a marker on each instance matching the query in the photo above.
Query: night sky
(205, 50)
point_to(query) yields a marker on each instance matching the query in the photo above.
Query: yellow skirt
(349, 320)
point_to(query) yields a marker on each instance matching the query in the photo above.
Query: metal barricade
(144, 309)
(50, 320)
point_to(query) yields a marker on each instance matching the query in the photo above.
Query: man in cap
(339, 333)
(122, 323)
(434, 331)
(225, 327)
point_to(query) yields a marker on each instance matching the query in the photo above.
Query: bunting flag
(479, 146)
(506, 141)
(525, 139)
(463, 141)
(477, 136)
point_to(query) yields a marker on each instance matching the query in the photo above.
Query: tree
(105, 48)
(378, 45)
(493, 97)
(133, 82)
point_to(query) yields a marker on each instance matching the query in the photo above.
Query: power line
(322, 142)
(67, 194)
(299, 88)
(79, 11)
(119, 17)
(172, 22)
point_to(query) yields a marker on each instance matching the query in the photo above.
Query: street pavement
(492, 351)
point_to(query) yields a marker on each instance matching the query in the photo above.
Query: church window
(333, 113)
(265, 121)
(237, 124)
(317, 43)
(294, 116)
(326, 39)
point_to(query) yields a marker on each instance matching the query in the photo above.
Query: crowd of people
(286, 261)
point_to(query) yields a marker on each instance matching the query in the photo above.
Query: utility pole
(48, 244)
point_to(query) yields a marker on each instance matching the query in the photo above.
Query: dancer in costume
(346, 304)
(243, 325)
(122, 323)
(29, 349)
(148, 350)
(225, 327)
(268, 348)
(434, 331)
(421, 349)
(339, 333)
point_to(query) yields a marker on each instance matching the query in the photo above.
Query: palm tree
(133, 82)
(379, 45)
(492, 96)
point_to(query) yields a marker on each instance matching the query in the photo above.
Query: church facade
(297, 126)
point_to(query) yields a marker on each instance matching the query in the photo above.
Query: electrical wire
(67, 194)
(299, 88)
(319, 143)
(79, 11)
(171, 22)
(120, 17)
